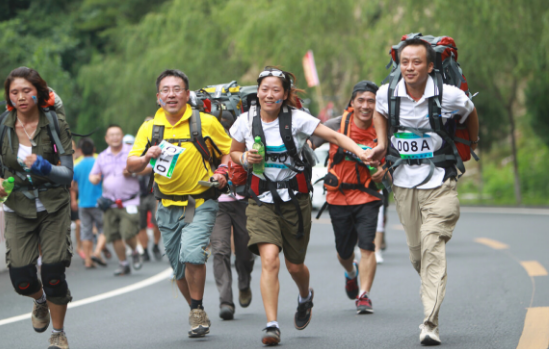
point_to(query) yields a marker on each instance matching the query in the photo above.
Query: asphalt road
(487, 298)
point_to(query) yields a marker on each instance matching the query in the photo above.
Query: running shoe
(122, 270)
(58, 340)
(429, 335)
(379, 257)
(137, 260)
(304, 312)
(157, 253)
(364, 305)
(226, 312)
(351, 285)
(40, 317)
(271, 336)
(200, 323)
(245, 297)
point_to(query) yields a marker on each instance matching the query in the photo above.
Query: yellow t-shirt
(189, 168)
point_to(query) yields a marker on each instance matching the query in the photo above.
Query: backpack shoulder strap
(345, 121)
(195, 125)
(53, 119)
(285, 127)
(257, 128)
(3, 118)
(394, 102)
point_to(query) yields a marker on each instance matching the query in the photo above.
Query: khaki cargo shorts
(266, 226)
(118, 224)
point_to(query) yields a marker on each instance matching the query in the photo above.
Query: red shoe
(351, 285)
(364, 305)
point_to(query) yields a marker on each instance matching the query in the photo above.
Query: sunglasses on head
(276, 73)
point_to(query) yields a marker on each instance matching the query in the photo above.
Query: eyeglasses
(176, 90)
(282, 157)
(276, 73)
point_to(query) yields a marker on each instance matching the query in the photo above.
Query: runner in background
(381, 228)
(231, 217)
(91, 216)
(76, 157)
(121, 219)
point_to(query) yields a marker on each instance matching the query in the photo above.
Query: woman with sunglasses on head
(279, 213)
(37, 153)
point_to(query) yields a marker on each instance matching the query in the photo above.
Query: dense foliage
(103, 56)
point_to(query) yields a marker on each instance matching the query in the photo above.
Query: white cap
(128, 139)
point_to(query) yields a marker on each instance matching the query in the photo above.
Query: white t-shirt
(303, 126)
(415, 114)
(22, 154)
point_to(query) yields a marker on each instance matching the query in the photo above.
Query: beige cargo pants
(429, 217)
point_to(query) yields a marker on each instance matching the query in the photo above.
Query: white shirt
(22, 154)
(415, 114)
(303, 126)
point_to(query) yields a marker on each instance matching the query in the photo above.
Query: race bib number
(165, 163)
(131, 209)
(412, 146)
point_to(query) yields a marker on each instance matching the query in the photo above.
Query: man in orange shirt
(353, 198)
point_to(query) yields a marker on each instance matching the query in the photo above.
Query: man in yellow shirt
(187, 211)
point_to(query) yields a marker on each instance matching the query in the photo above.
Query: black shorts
(74, 216)
(352, 224)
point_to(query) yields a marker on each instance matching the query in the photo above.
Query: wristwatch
(476, 142)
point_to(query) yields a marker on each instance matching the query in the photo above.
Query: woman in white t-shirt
(274, 224)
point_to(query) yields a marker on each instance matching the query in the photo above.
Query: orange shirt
(346, 172)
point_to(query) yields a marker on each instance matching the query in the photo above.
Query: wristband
(476, 142)
(244, 160)
(41, 166)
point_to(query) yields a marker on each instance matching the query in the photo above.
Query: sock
(42, 299)
(301, 300)
(57, 331)
(362, 294)
(124, 263)
(196, 304)
(273, 324)
(352, 274)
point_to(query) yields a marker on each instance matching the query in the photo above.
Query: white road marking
(134, 287)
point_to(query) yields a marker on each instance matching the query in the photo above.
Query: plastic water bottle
(260, 147)
(8, 187)
(372, 171)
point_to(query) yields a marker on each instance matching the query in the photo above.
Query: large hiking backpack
(456, 146)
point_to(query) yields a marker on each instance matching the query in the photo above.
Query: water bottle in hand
(260, 147)
(8, 187)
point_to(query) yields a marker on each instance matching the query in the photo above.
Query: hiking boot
(137, 260)
(271, 336)
(145, 256)
(200, 323)
(304, 313)
(157, 253)
(122, 270)
(364, 305)
(226, 312)
(40, 317)
(245, 297)
(351, 285)
(58, 340)
(429, 335)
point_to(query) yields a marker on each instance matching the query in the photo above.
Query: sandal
(107, 253)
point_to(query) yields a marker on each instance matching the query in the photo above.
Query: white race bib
(165, 163)
(131, 209)
(412, 146)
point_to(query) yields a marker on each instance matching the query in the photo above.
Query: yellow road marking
(493, 244)
(535, 334)
(534, 268)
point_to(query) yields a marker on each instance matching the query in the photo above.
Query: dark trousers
(231, 215)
